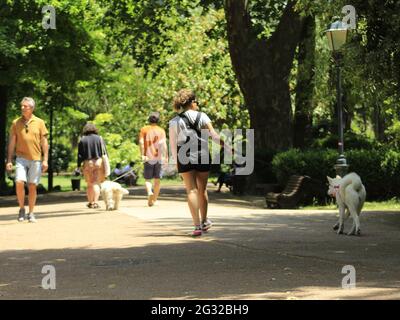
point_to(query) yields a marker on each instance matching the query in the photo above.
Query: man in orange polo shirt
(28, 138)
(153, 147)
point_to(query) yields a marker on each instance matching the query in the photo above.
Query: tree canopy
(261, 64)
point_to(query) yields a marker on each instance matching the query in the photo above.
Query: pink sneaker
(197, 232)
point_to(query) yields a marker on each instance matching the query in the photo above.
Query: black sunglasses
(26, 127)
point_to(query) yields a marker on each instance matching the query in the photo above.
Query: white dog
(112, 194)
(350, 196)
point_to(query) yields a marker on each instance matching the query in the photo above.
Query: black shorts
(200, 167)
(152, 170)
(192, 166)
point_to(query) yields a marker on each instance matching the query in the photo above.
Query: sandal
(89, 205)
(95, 206)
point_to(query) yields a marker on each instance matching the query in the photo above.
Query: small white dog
(350, 196)
(112, 193)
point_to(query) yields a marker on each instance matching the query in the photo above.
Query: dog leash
(121, 176)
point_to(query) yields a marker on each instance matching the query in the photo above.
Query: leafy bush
(379, 169)
(316, 164)
(351, 141)
(119, 150)
(61, 156)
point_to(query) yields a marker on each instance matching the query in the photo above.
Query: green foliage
(351, 141)
(141, 27)
(265, 16)
(193, 54)
(45, 64)
(75, 115)
(103, 119)
(202, 63)
(61, 157)
(119, 149)
(393, 133)
(316, 164)
(122, 151)
(113, 62)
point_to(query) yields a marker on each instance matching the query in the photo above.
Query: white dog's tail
(351, 178)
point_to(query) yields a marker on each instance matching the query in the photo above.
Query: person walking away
(185, 129)
(28, 139)
(153, 148)
(91, 148)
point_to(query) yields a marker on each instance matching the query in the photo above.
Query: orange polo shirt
(29, 137)
(153, 137)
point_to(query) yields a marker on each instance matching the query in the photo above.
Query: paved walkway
(146, 253)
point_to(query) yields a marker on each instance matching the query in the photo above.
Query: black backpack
(193, 126)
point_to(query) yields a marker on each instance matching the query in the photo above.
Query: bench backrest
(294, 184)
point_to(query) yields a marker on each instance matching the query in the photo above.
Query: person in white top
(189, 149)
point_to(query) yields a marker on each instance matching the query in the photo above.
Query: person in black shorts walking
(189, 149)
(153, 147)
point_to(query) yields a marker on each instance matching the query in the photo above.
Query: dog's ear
(329, 179)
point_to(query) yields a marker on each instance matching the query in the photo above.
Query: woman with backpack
(189, 132)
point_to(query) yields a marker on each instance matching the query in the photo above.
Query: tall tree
(48, 60)
(263, 67)
(304, 85)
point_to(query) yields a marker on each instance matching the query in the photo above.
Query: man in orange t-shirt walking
(153, 148)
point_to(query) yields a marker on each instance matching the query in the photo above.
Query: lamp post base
(341, 166)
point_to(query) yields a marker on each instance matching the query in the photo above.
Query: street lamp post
(337, 36)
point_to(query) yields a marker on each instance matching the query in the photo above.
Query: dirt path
(146, 253)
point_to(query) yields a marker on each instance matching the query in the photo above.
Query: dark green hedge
(379, 169)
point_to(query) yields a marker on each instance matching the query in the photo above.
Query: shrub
(316, 164)
(351, 141)
(61, 156)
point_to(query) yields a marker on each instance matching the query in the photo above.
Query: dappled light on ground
(146, 253)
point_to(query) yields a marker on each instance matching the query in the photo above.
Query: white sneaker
(31, 217)
(206, 225)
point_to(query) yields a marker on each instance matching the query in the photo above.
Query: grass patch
(392, 204)
(388, 205)
(64, 181)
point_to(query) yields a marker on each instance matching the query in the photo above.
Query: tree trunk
(262, 68)
(379, 123)
(50, 172)
(3, 134)
(305, 85)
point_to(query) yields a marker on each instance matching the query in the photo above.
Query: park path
(146, 253)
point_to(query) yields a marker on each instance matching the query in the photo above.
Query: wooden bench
(290, 197)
